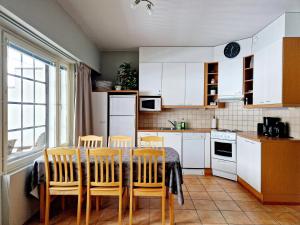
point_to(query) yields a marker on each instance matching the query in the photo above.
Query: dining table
(173, 177)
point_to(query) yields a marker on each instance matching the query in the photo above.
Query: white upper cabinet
(150, 75)
(194, 84)
(173, 84)
(231, 79)
(267, 82)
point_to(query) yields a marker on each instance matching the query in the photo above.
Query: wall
(110, 62)
(51, 20)
(234, 116)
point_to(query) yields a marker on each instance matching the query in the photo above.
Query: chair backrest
(151, 142)
(90, 141)
(103, 160)
(119, 141)
(66, 167)
(147, 163)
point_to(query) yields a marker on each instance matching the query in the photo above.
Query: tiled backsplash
(195, 118)
(234, 116)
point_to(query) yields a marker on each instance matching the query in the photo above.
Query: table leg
(42, 202)
(171, 208)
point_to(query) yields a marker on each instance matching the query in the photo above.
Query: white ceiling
(114, 25)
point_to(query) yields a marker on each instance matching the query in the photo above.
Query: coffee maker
(273, 127)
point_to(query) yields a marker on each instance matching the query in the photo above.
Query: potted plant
(127, 77)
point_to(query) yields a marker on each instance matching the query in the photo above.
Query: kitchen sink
(167, 128)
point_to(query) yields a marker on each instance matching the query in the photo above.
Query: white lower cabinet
(173, 140)
(193, 148)
(249, 162)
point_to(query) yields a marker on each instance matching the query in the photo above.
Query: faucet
(173, 123)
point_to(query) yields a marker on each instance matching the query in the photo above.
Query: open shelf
(211, 86)
(248, 80)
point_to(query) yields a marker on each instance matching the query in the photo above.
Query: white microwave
(150, 104)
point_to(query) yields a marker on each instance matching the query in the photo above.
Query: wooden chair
(152, 142)
(90, 141)
(105, 183)
(147, 182)
(120, 142)
(63, 182)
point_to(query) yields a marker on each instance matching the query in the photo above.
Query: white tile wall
(234, 116)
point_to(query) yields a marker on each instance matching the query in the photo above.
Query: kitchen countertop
(189, 130)
(259, 138)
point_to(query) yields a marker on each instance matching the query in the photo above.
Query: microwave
(150, 103)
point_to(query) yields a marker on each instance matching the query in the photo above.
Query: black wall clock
(232, 49)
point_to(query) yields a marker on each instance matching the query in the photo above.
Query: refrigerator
(122, 115)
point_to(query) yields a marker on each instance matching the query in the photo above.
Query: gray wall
(50, 19)
(110, 62)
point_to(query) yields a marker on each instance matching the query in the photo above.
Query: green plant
(127, 77)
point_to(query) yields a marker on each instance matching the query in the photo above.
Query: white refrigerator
(122, 115)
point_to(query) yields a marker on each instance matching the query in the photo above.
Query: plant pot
(118, 87)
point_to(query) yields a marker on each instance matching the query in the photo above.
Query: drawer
(222, 165)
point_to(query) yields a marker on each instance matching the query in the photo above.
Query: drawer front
(222, 165)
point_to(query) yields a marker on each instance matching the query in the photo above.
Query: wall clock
(232, 49)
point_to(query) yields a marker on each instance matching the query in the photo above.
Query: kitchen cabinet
(150, 75)
(173, 84)
(269, 167)
(249, 162)
(193, 150)
(100, 114)
(144, 134)
(173, 140)
(231, 79)
(194, 84)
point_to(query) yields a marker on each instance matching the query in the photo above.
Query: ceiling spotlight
(149, 5)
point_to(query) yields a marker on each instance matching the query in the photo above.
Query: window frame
(28, 157)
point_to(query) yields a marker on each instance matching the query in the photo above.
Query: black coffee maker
(273, 127)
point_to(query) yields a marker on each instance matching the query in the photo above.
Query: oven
(150, 104)
(223, 149)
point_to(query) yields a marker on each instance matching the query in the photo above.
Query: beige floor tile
(208, 181)
(219, 195)
(183, 187)
(205, 205)
(188, 204)
(237, 189)
(261, 218)
(186, 195)
(143, 203)
(141, 217)
(242, 197)
(252, 206)
(213, 187)
(277, 208)
(107, 214)
(227, 205)
(155, 203)
(285, 218)
(210, 217)
(233, 217)
(186, 216)
(195, 187)
(191, 181)
(199, 195)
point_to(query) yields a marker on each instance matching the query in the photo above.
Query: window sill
(16, 163)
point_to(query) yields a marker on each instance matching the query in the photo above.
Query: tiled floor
(208, 200)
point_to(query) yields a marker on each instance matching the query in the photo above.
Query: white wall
(110, 62)
(51, 20)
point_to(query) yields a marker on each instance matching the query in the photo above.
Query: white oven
(150, 104)
(223, 149)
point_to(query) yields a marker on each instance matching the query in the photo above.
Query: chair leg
(47, 210)
(88, 209)
(120, 209)
(163, 209)
(79, 202)
(130, 207)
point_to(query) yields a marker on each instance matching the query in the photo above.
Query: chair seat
(64, 190)
(105, 191)
(156, 192)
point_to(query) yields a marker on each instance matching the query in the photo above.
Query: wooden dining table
(173, 175)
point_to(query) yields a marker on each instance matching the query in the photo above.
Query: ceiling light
(149, 5)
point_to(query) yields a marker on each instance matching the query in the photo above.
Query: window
(39, 94)
(27, 103)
